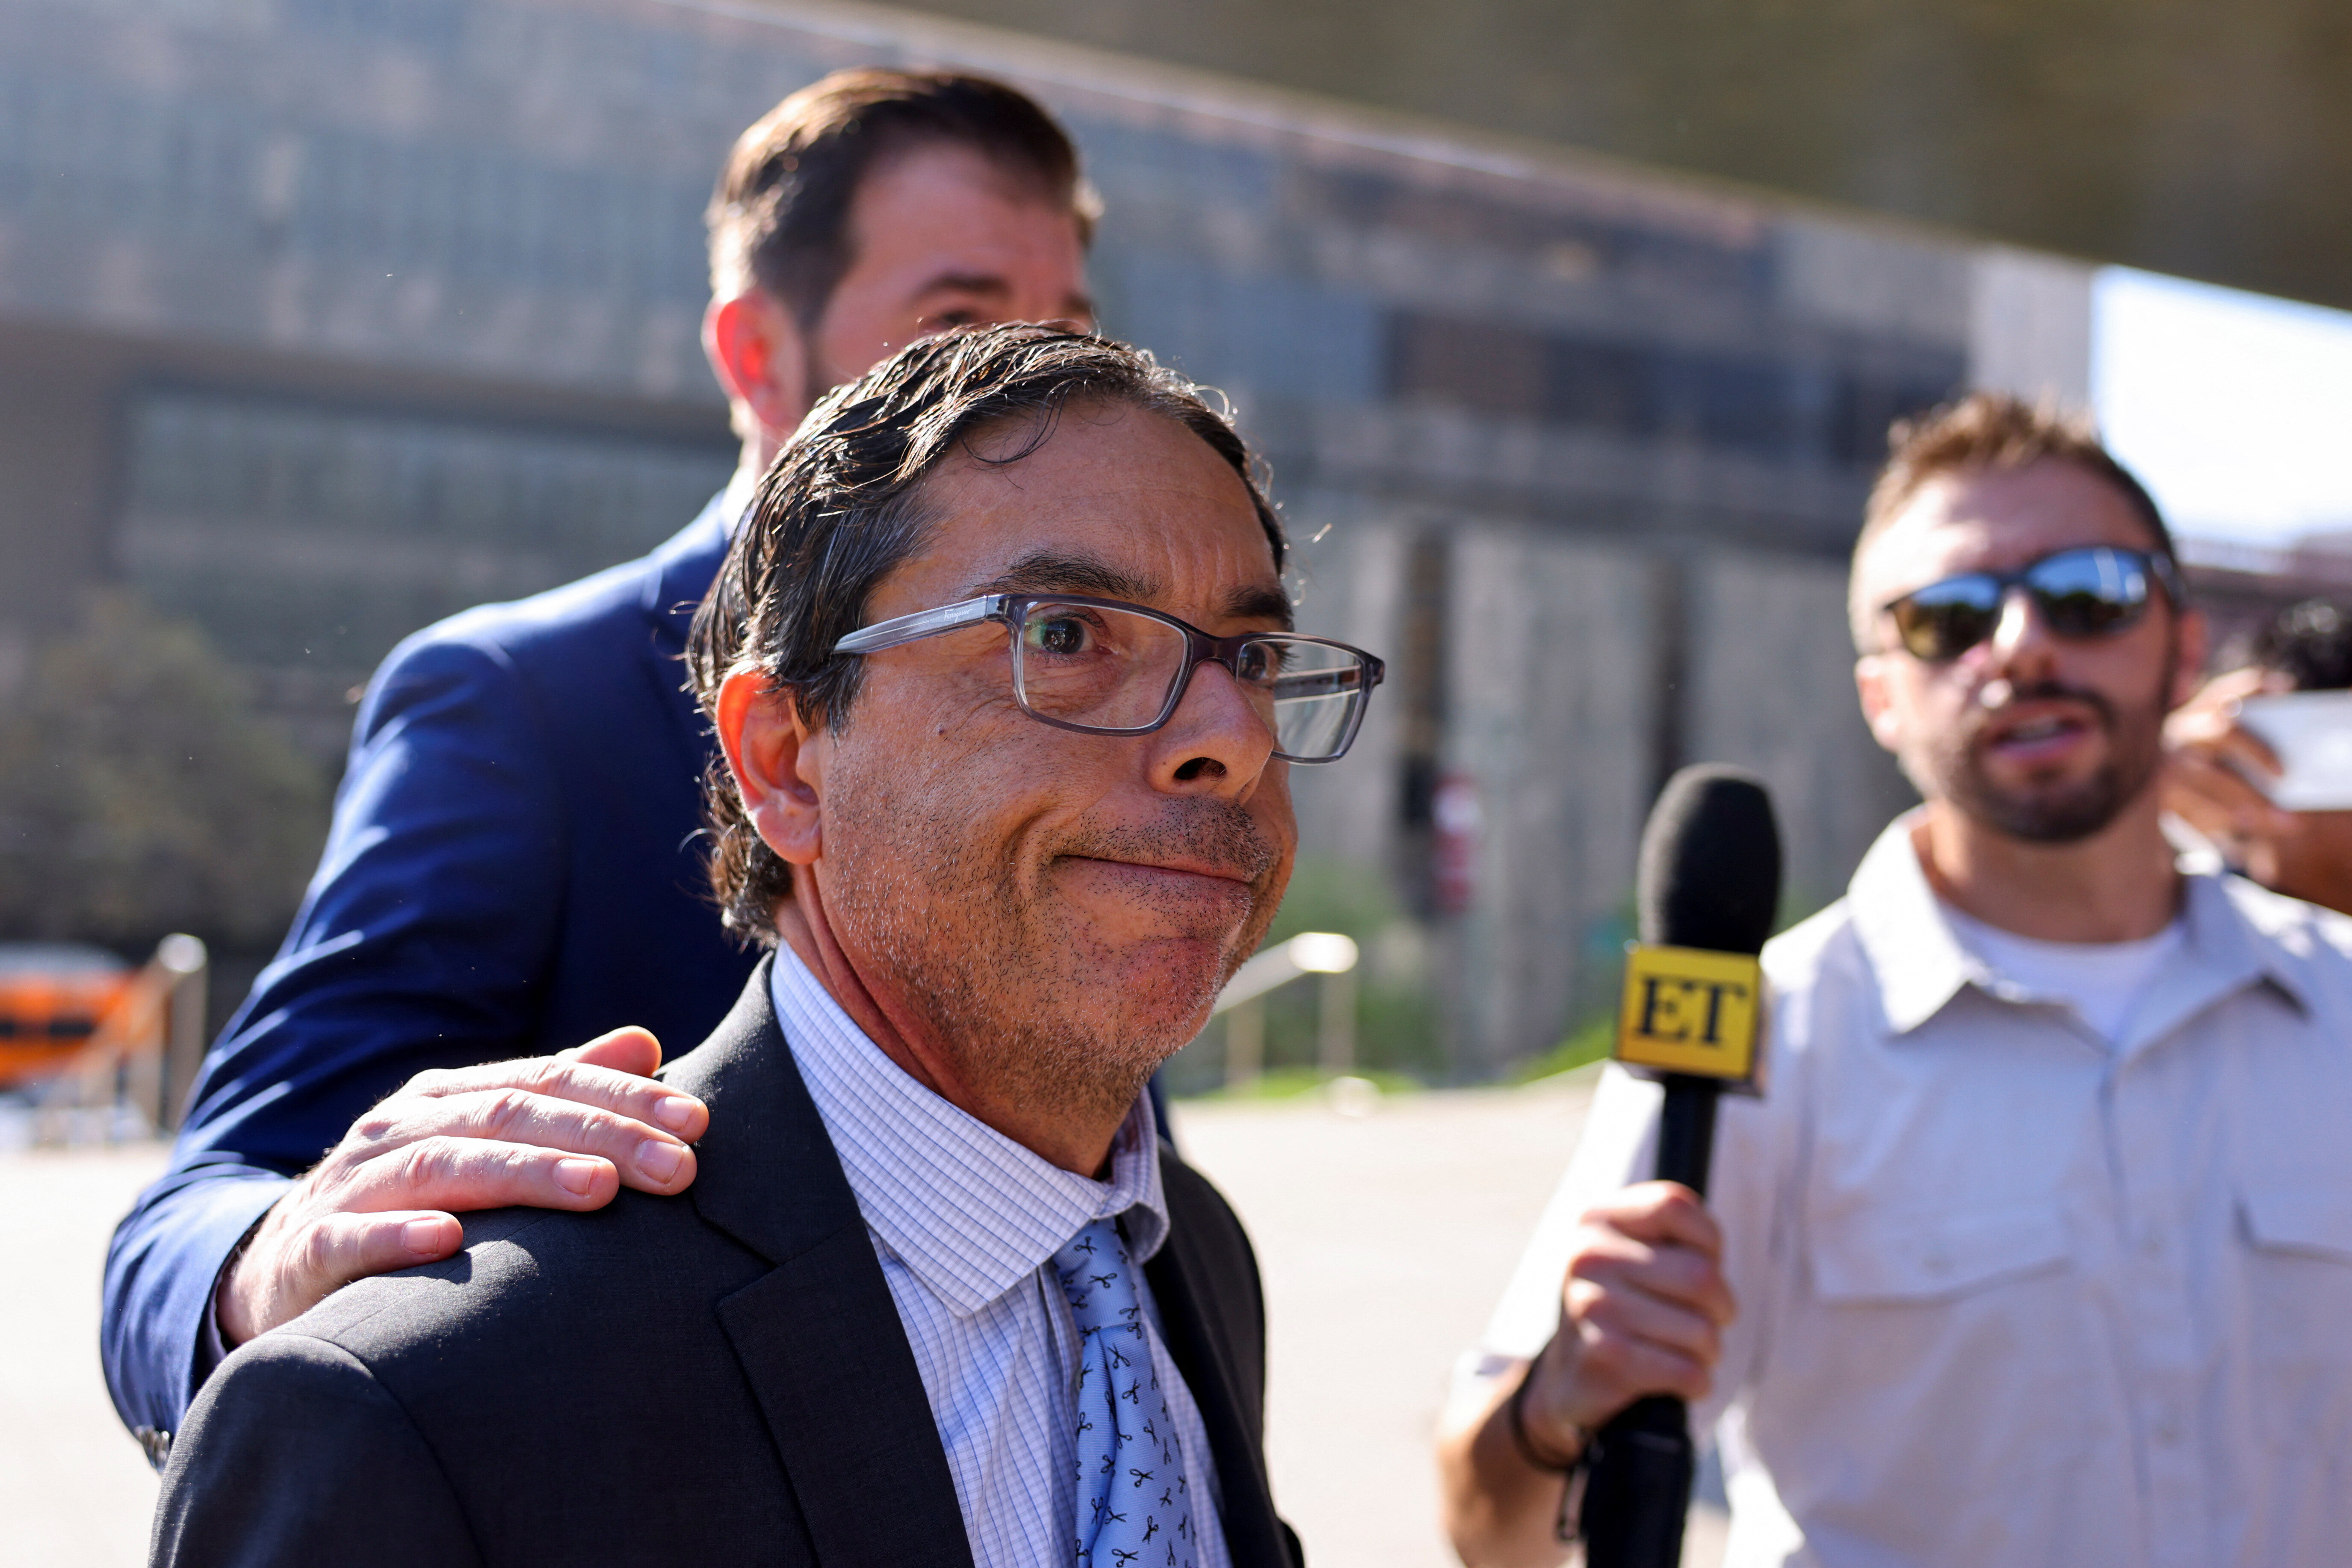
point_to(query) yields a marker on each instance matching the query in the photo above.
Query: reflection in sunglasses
(2089, 591)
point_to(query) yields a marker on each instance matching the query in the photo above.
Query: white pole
(1244, 1043)
(1338, 1030)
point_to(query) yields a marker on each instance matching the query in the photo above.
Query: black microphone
(1707, 887)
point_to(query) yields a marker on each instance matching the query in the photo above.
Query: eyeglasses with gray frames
(1104, 667)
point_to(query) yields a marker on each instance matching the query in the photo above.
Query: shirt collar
(970, 1212)
(2225, 916)
(1921, 965)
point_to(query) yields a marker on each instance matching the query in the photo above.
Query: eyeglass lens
(2088, 593)
(1093, 666)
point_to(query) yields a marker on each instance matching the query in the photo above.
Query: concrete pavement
(75, 1490)
(1385, 1238)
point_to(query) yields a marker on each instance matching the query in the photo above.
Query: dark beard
(980, 957)
(2061, 813)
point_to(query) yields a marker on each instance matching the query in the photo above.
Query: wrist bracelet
(1516, 1405)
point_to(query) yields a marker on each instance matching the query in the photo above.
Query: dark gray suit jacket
(718, 1377)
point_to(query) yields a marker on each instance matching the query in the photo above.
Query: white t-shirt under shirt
(2007, 1296)
(2104, 982)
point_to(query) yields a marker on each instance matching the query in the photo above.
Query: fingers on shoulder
(534, 1083)
(458, 1174)
(337, 1248)
(628, 1049)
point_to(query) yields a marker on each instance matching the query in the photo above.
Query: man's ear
(2188, 657)
(761, 360)
(1871, 675)
(778, 763)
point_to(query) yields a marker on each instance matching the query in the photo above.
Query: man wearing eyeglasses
(1006, 683)
(2037, 1249)
(510, 922)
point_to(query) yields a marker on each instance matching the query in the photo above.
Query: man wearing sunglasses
(2036, 1248)
(1005, 684)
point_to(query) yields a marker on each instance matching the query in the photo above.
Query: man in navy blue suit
(514, 866)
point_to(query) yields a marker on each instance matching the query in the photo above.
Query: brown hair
(780, 215)
(845, 506)
(2310, 644)
(1984, 431)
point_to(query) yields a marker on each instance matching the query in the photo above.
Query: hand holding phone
(2310, 733)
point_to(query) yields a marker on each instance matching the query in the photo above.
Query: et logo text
(1689, 1010)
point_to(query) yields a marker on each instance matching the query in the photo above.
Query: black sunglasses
(2092, 590)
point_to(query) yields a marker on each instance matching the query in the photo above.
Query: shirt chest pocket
(2310, 1219)
(1923, 1256)
(2298, 1300)
(1958, 1333)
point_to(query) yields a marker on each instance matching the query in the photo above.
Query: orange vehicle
(53, 996)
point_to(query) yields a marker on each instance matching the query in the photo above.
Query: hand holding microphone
(1642, 1310)
(1644, 1300)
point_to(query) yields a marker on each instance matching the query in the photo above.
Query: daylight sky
(2235, 409)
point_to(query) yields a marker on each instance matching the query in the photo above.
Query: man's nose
(1218, 741)
(2021, 641)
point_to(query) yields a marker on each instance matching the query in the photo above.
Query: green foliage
(1329, 894)
(140, 794)
(1588, 1045)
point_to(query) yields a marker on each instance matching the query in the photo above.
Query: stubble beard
(991, 970)
(2064, 813)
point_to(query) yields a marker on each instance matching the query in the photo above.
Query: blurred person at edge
(2037, 1249)
(515, 866)
(2214, 764)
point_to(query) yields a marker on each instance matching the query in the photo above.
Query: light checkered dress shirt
(966, 1223)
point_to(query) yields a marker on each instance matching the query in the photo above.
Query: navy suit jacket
(513, 870)
(717, 1378)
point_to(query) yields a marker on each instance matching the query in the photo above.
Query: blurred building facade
(319, 319)
(2177, 136)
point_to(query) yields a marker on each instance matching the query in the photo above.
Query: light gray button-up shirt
(2009, 1293)
(966, 1223)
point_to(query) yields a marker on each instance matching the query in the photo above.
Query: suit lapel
(1179, 1274)
(820, 1342)
(818, 1337)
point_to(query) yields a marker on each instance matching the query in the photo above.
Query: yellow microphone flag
(1690, 1011)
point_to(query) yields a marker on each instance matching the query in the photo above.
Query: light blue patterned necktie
(1134, 1508)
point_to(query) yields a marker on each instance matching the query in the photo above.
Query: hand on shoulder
(565, 1132)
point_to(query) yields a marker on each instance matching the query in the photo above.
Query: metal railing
(1241, 1004)
(130, 1079)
